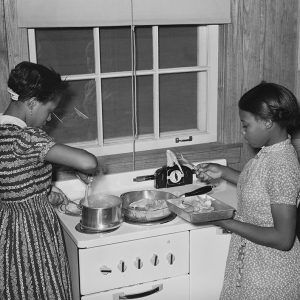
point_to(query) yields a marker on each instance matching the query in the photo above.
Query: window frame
(208, 40)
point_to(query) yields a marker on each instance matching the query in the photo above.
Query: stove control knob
(105, 270)
(154, 260)
(138, 263)
(170, 258)
(122, 266)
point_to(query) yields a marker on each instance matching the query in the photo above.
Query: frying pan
(156, 212)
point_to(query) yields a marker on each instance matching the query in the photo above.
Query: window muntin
(176, 85)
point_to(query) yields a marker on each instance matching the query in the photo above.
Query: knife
(200, 191)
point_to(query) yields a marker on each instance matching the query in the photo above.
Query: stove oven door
(176, 288)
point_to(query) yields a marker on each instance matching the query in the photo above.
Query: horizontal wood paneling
(157, 158)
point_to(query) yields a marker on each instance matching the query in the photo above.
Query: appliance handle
(144, 178)
(155, 289)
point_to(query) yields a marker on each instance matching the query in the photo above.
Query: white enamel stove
(140, 261)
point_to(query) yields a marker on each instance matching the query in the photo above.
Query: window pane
(67, 51)
(145, 104)
(178, 101)
(177, 46)
(115, 49)
(144, 53)
(77, 114)
(117, 106)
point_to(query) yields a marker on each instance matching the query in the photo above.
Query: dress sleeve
(33, 143)
(284, 182)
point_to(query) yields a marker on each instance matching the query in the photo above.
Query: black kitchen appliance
(166, 177)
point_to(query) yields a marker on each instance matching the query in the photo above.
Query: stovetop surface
(116, 184)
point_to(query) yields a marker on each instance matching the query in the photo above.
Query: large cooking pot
(101, 212)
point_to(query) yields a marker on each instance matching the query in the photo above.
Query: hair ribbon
(13, 95)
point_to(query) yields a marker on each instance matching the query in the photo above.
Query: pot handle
(200, 191)
(155, 289)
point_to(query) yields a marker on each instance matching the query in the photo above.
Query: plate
(189, 211)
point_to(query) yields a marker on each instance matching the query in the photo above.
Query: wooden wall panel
(3, 60)
(13, 46)
(17, 41)
(259, 44)
(242, 41)
(280, 44)
(298, 58)
(297, 134)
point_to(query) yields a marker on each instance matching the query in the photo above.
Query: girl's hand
(208, 171)
(89, 178)
(57, 197)
(85, 178)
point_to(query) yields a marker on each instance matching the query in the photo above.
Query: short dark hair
(271, 101)
(29, 80)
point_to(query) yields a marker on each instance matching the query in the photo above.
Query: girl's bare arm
(281, 236)
(78, 159)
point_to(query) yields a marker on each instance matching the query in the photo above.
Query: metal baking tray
(221, 210)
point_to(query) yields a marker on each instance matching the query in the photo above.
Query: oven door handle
(155, 289)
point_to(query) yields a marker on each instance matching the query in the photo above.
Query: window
(163, 94)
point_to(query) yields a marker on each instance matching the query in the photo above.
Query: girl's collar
(275, 147)
(6, 119)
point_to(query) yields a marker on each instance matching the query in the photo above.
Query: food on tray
(207, 209)
(148, 204)
(198, 203)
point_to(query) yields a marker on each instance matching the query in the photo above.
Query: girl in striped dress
(33, 261)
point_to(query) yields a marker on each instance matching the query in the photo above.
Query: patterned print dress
(33, 262)
(255, 272)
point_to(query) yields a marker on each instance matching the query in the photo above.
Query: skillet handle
(203, 190)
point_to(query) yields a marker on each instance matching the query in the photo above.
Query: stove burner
(82, 229)
(167, 219)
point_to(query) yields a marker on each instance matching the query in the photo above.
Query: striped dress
(33, 261)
